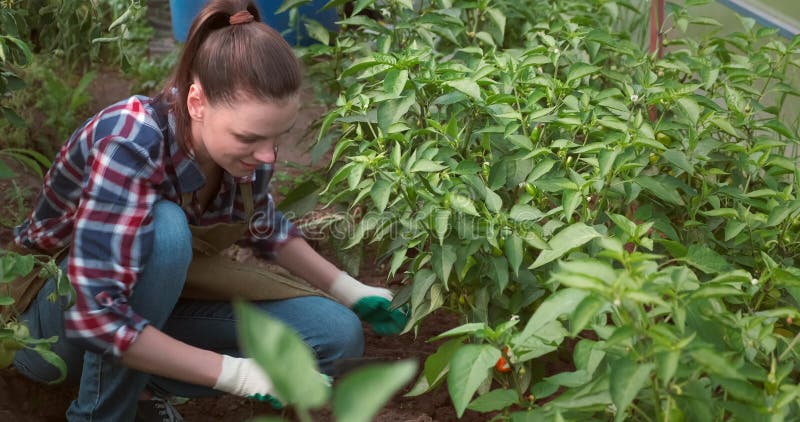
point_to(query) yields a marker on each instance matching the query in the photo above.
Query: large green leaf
(627, 379)
(468, 369)
(443, 258)
(567, 239)
(284, 356)
(514, 250)
(380, 193)
(361, 394)
(466, 86)
(494, 400)
(463, 204)
(660, 190)
(579, 70)
(436, 367)
(706, 260)
(559, 303)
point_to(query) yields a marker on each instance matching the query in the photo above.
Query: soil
(24, 400)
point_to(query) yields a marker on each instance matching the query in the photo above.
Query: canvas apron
(211, 275)
(214, 276)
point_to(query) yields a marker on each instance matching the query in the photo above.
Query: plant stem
(303, 414)
(790, 347)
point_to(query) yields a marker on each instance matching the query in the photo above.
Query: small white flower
(754, 282)
(556, 51)
(514, 318)
(617, 302)
(634, 98)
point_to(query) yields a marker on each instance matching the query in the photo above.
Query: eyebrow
(258, 136)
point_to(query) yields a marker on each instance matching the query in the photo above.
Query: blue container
(184, 11)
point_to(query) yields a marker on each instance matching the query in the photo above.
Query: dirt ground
(24, 400)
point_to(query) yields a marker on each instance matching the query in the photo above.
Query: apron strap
(247, 198)
(186, 200)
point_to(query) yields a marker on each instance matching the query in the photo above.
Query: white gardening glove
(243, 377)
(371, 304)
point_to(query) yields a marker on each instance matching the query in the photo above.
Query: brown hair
(248, 60)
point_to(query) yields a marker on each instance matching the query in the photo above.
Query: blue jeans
(108, 391)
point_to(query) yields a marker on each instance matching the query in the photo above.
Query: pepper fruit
(502, 365)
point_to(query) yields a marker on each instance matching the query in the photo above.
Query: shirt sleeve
(269, 228)
(112, 235)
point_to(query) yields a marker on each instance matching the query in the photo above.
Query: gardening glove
(243, 377)
(371, 304)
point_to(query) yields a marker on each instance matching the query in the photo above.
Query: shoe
(156, 410)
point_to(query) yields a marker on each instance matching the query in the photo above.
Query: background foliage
(533, 168)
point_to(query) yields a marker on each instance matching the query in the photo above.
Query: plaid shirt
(97, 198)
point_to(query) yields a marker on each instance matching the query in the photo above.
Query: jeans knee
(346, 335)
(171, 252)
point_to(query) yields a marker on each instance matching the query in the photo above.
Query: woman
(145, 195)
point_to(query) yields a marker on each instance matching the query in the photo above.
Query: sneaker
(156, 410)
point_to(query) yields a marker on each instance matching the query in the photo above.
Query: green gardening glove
(371, 304)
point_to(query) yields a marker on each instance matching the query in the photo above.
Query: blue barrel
(184, 11)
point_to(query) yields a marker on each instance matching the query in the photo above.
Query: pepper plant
(531, 167)
(291, 366)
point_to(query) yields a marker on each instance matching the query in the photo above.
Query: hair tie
(241, 17)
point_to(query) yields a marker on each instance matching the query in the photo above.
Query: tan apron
(211, 276)
(214, 276)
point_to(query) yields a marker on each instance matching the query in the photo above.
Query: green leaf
(442, 261)
(6, 300)
(716, 364)
(500, 267)
(288, 4)
(283, 355)
(667, 364)
(436, 367)
(468, 369)
(494, 400)
(463, 205)
(627, 379)
(567, 239)
(579, 70)
(557, 304)
(706, 259)
(584, 313)
(395, 81)
(392, 111)
(441, 223)
(380, 192)
(361, 394)
(493, 201)
(318, 32)
(691, 108)
(659, 189)
(53, 359)
(466, 86)
(513, 249)
(678, 158)
(427, 166)
(469, 328)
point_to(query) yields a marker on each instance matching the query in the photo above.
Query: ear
(196, 101)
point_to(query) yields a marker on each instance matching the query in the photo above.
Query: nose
(266, 152)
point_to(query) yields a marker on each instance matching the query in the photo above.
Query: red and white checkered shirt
(97, 199)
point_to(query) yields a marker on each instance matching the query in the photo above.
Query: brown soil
(24, 400)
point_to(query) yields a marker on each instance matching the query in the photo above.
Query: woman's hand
(371, 304)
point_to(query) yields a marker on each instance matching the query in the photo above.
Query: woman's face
(242, 136)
